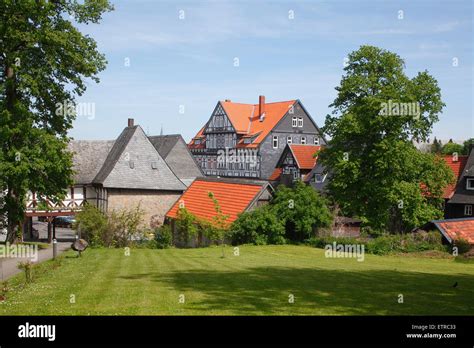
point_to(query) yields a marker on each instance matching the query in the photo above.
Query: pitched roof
(234, 196)
(454, 229)
(276, 174)
(164, 143)
(461, 194)
(304, 155)
(246, 120)
(88, 158)
(457, 165)
(176, 154)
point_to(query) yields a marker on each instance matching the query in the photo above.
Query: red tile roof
(276, 174)
(304, 155)
(454, 229)
(457, 168)
(245, 119)
(234, 198)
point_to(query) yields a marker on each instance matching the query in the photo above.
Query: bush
(118, 229)
(163, 237)
(258, 227)
(387, 243)
(462, 245)
(92, 225)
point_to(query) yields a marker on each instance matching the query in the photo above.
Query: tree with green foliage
(45, 62)
(436, 146)
(219, 227)
(301, 209)
(377, 173)
(452, 148)
(260, 226)
(466, 146)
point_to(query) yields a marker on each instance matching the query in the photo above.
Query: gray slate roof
(89, 157)
(175, 151)
(130, 162)
(461, 194)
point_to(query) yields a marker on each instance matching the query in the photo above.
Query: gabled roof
(453, 229)
(456, 165)
(164, 143)
(246, 120)
(461, 194)
(108, 163)
(304, 155)
(234, 196)
(88, 158)
(176, 154)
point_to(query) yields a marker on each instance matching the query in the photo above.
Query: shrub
(163, 237)
(301, 209)
(118, 229)
(186, 227)
(259, 226)
(462, 245)
(91, 223)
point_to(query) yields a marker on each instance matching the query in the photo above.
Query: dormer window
(197, 141)
(248, 141)
(470, 184)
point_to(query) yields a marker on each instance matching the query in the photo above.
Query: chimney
(228, 100)
(131, 122)
(261, 106)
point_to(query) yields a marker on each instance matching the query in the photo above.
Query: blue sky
(180, 67)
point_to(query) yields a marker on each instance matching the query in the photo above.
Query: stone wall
(155, 203)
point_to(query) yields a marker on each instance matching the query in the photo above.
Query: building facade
(247, 140)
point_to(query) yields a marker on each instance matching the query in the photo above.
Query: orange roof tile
(457, 168)
(304, 155)
(276, 174)
(245, 119)
(454, 229)
(233, 198)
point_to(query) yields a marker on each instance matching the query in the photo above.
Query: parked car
(65, 221)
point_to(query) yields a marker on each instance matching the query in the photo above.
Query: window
(468, 210)
(275, 141)
(289, 140)
(295, 174)
(197, 142)
(131, 164)
(300, 121)
(294, 122)
(154, 165)
(469, 184)
(316, 140)
(303, 140)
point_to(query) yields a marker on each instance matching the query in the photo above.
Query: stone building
(124, 173)
(247, 140)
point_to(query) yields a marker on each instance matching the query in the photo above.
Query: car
(65, 221)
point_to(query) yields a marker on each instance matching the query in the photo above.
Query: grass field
(258, 282)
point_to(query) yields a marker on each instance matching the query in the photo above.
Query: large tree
(45, 62)
(377, 173)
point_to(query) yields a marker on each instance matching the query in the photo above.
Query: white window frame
(303, 140)
(468, 210)
(300, 122)
(316, 140)
(294, 121)
(467, 184)
(275, 142)
(289, 140)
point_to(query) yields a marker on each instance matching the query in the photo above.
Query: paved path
(8, 266)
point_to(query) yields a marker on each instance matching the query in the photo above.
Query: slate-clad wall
(269, 155)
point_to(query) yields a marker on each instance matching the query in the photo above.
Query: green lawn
(258, 282)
